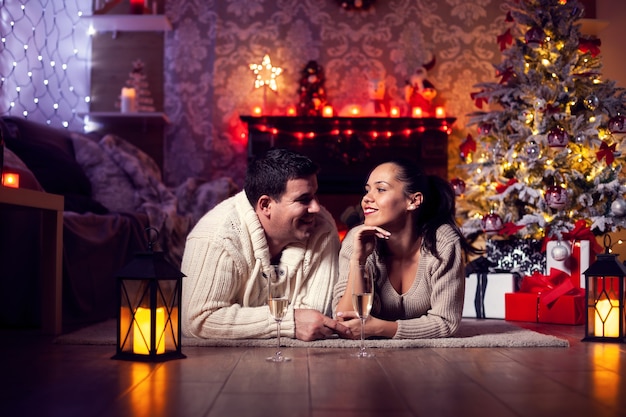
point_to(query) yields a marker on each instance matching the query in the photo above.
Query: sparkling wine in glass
(362, 298)
(278, 301)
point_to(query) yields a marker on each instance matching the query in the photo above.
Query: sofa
(113, 193)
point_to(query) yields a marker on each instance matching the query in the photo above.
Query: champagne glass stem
(278, 352)
(362, 338)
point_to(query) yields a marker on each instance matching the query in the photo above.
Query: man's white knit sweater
(224, 293)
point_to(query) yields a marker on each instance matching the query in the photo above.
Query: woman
(411, 238)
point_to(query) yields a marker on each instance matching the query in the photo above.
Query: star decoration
(266, 73)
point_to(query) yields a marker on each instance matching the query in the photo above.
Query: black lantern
(149, 294)
(605, 284)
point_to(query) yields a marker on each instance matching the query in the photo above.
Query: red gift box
(546, 299)
(525, 306)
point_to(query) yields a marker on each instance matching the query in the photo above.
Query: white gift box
(575, 263)
(490, 290)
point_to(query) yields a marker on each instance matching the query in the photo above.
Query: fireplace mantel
(347, 148)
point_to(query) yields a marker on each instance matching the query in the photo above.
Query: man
(276, 219)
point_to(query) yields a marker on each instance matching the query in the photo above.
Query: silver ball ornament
(559, 252)
(618, 207)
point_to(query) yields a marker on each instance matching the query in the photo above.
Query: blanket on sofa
(125, 179)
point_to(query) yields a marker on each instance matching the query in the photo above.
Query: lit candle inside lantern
(416, 112)
(257, 111)
(291, 111)
(394, 111)
(11, 179)
(128, 100)
(141, 331)
(327, 111)
(611, 324)
(440, 112)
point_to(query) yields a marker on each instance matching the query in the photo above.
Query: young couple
(409, 236)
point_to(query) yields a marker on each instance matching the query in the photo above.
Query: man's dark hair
(268, 174)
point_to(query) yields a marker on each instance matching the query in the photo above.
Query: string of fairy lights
(45, 60)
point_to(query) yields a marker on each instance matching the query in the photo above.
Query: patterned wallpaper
(208, 83)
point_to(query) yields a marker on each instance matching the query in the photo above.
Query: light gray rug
(473, 333)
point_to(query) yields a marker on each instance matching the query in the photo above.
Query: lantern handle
(156, 238)
(607, 243)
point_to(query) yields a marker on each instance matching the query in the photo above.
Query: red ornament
(557, 137)
(556, 197)
(616, 124)
(535, 36)
(484, 129)
(492, 223)
(458, 185)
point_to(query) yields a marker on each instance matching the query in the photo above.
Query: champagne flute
(278, 301)
(362, 298)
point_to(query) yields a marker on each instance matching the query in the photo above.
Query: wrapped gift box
(576, 262)
(567, 309)
(484, 294)
(523, 256)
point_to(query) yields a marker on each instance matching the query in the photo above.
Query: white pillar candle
(128, 101)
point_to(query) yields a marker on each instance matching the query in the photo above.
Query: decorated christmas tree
(548, 148)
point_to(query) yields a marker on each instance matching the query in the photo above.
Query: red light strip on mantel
(373, 134)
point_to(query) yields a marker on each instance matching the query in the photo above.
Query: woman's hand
(373, 326)
(365, 241)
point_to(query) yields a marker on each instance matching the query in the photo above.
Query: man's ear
(264, 205)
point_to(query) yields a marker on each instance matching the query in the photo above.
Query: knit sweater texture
(224, 291)
(432, 307)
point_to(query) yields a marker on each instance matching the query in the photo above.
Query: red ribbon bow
(500, 188)
(549, 287)
(583, 232)
(606, 151)
(505, 39)
(468, 146)
(478, 101)
(510, 229)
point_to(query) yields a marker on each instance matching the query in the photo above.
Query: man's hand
(313, 325)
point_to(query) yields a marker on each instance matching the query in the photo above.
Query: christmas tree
(138, 80)
(548, 148)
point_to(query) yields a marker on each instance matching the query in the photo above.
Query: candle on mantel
(257, 111)
(416, 112)
(141, 330)
(355, 111)
(11, 179)
(440, 112)
(291, 110)
(327, 111)
(128, 100)
(611, 324)
(394, 111)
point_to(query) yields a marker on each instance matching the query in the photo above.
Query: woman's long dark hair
(438, 204)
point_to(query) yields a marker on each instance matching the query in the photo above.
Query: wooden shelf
(113, 116)
(129, 23)
(592, 26)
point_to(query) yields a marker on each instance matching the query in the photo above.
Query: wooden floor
(588, 379)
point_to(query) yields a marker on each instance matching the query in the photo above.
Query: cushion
(49, 154)
(110, 185)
